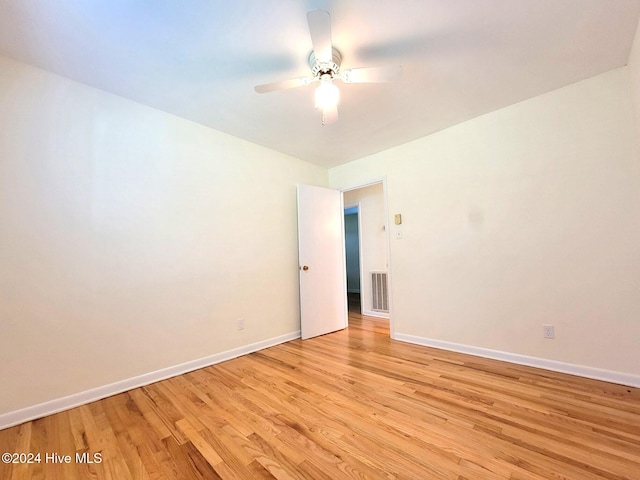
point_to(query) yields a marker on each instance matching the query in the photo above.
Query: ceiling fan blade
(285, 84)
(320, 30)
(371, 74)
(330, 115)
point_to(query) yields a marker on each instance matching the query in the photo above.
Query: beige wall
(526, 216)
(132, 240)
(373, 235)
(634, 81)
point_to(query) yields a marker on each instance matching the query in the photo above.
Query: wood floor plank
(353, 404)
(205, 448)
(147, 408)
(22, 445)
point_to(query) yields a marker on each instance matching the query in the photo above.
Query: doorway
(366, 238)
(322, 265)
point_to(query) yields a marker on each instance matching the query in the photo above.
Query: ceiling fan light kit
(327, 94)
(325, 62)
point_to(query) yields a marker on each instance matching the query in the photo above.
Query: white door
(323, 297)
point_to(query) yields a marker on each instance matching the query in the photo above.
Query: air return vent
(379, 292)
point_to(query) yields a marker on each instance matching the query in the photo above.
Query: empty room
(316, 239)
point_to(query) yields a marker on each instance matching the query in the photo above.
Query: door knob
(305, 268)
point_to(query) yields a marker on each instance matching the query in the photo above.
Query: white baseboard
(371, 313)
(553, 365)
(74, 400)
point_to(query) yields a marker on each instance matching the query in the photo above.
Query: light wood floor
(353, 405)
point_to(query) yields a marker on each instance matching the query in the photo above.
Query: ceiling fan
(325, 61)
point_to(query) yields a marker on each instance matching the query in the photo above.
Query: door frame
(368, 183)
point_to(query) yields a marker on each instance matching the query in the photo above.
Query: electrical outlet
(240, 323)
(547, 331)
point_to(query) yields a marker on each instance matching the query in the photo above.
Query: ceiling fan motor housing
(326, 68)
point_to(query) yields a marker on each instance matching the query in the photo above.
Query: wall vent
(379, 292)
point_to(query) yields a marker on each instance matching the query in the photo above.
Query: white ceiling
(201, 59)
